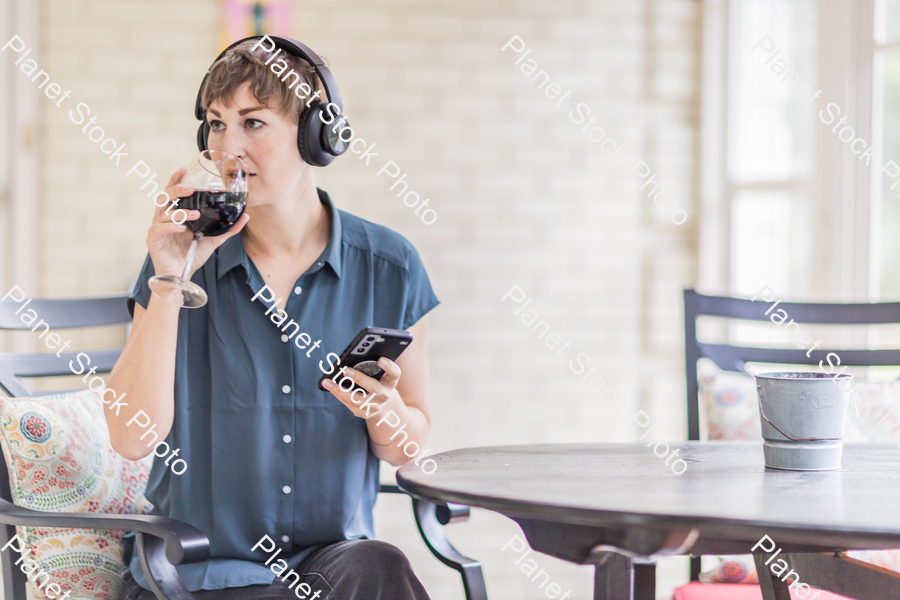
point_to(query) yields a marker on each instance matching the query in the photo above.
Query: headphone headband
(289, 46)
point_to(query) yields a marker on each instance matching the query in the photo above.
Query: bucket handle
(793, 439)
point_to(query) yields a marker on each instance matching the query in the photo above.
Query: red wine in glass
(219, 210)
(219, 179)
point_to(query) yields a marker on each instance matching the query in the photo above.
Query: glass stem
(190, 255)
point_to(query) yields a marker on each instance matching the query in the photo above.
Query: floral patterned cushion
(731, 569)
(729, 405)
(60, 459)
(887, 559)
(879, 412)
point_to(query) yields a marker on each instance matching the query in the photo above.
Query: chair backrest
(59, 314)
(733, 358)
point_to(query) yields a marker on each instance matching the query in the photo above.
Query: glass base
(192, 294)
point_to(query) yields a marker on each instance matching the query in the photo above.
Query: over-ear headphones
(319, 145)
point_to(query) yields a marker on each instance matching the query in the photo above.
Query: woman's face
(264, 139)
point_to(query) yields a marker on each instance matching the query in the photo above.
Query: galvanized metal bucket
(804, 418)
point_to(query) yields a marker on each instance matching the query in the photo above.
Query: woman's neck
(288, 229)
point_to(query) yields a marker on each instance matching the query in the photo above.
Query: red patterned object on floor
(727, 591)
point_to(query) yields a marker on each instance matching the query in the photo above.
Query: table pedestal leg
(772, 587)
(617, 577)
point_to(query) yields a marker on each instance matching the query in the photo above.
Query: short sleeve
(141, 291)
(420, 298)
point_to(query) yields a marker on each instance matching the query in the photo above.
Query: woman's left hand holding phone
(370, 395)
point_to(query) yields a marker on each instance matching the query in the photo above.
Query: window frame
(844, 214)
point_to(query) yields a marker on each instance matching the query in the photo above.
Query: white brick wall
(522, 197)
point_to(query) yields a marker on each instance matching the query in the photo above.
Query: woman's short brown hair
(279, 91)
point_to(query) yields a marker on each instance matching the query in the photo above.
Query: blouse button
(287, 439)
(286, 489)
(286, 389)
(297, 290)
(285, 538)
(284, 338)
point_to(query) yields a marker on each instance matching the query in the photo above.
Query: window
(886, 125)
(785, 202)
(770, 144)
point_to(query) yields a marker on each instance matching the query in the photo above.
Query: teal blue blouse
(267, 452)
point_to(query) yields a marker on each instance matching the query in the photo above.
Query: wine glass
(219, 180)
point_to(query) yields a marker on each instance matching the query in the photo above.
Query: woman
(274, 465)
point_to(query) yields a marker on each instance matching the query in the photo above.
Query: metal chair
(161, 542)
(733, 358)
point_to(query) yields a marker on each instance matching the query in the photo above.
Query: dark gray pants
(348, 570)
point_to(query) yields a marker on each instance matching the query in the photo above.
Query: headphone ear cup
(310, 129)
(203, 135)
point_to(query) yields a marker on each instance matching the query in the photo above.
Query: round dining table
(620, 506)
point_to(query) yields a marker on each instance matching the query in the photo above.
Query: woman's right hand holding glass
(168, 242)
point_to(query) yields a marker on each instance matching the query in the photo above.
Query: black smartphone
(367, 347)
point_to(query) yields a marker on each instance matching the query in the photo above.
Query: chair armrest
(161, 574)
(183, 543)
(435, 538)
(430, 518)
(446, 513)
(451, 513)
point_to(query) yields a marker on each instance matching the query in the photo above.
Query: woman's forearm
(406, 424)
(146, 373)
